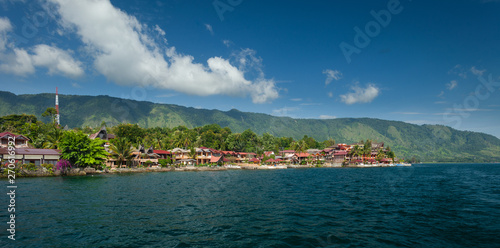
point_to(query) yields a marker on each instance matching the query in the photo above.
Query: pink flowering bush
(63, 165)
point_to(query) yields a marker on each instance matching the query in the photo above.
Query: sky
(421, 62)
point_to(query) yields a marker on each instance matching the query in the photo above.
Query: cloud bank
(122, 50)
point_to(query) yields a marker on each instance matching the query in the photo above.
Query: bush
(163, 162)
(148, 163)
(63, 165)
(30, 167)
(49, 167)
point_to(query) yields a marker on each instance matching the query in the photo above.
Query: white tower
(57, 108)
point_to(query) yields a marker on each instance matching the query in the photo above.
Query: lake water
(419, 206)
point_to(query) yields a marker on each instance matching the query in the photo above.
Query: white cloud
(159, 30)
(20, 62)
(408, 113)
(332, 75)
(330, 94)
(476, 71)
(125, 54)
(360, 95)
(168, 95)
(285, 111)
(452, 85)
(310, 104)
(227, 43)
(327, 117)
(5, 27)
(57, 61)
(76, 85)
(209, 28)
(296, 99)
(458, 70)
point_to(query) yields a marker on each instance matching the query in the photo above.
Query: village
(339, 155)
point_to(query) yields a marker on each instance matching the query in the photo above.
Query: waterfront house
(302, 156)
(203, 155)
(32, 155)
(246, 156)
(163, 154)
(179, 154)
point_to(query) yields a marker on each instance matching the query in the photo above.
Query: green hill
(426, 142)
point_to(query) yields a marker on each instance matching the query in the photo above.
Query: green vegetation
(167, 126)
(80, 150)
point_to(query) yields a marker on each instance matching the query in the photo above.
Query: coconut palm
(53, 138)
(355, 152)
(121, 150)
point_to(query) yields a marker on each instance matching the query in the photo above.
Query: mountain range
(429, 143)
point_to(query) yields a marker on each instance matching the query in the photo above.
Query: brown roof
(32, 151)
(7, 134)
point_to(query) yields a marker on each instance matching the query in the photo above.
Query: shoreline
(42, 172)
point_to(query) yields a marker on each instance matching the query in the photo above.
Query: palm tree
(121, 150)
(53, 139)
(192, 153)
(355, 152)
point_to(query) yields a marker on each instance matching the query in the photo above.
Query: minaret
(57, 108)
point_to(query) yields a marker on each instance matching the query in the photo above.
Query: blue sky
(422, 62)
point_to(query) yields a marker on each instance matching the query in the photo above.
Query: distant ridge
(431, 143)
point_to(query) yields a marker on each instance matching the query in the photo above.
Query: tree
(133, 133)
(121, 150)
(367, 148)
(249, 139)
(328, 143)
(52, 113)
(299, 146)
(390, 154)
(81, 151)
(54, 138)
(355, 152)
(192, 153)
(16, 123)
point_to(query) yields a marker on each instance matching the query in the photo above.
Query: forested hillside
(426, 142)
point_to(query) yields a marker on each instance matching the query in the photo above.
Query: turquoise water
(419, 206)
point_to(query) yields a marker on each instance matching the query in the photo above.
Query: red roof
(214, 159)
(288, 151)
(161, 152)
(340, 153)
(270, 160)
(254, 160)
(303, 155)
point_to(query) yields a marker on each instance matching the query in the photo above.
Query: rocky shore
(43, 172)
